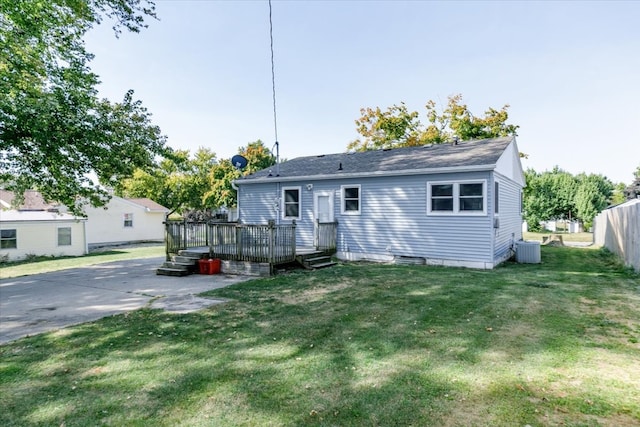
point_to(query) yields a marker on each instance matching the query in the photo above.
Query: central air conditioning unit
(528, 252)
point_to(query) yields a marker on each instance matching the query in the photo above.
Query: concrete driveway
(43, 302)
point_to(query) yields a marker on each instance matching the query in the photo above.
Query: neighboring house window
(496, 198)
(64, 236)
(291, 202)
(128, 220)
(351, 200)
(8, 239)
(456, 197)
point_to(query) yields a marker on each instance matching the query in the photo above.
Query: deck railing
(275, 244)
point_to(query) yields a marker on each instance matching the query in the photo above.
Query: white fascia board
(431, 171)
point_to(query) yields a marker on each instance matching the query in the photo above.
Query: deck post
(167, 237)
(272, 240)
(184, 234)
(239, 241)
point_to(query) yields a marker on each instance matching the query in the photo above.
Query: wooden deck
(256, 243)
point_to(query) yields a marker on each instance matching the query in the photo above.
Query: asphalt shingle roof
(425, 158)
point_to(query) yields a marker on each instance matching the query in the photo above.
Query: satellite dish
(239, 161)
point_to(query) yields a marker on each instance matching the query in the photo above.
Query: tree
(54, 130)
(195, 183)
(221, 192)
(592, 196)
(559, 195)
(547, 196)
(178, 182)
(399, 127)
(633, 190)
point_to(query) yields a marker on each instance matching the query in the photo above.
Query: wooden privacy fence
(618, 229)
(275, 244)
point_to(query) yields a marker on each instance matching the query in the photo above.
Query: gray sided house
(447, 204)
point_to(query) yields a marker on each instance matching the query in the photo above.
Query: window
(64, 236)
(8, 239)
(128, 220)
(496, 198)
(351, 200)
(291, 202)
(442, 197)
(465, 198)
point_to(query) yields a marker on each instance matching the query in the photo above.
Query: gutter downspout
(86, 241)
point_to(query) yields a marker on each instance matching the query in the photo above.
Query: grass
(582, 237)
(356, 344)
(36, 265)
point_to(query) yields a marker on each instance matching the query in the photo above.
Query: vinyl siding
(509, 217)
(394, 222)
(393, 219)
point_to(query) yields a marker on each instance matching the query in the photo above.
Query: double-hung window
(351, 199)
(9, 239)
(456, 198)
(291, 204)
(128, 220)
(64, 236)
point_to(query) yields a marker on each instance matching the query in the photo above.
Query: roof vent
(340, 166)
(455, 140)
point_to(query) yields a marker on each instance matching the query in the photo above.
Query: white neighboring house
(24, 233)
(125, 221)
(121, 221)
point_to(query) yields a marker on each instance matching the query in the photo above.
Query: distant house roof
(19, 216)
(33, 201)
(435, 158)
(149, 204)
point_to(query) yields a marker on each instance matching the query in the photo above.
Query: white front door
(323, 206)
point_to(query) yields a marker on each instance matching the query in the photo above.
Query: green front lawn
(356, 344)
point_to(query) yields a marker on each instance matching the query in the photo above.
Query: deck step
(179, 265)
(166, 271)
(185, 259)
(323, 265)
(317, 259)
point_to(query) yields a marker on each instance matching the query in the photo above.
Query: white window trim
(282, 203)
(456, 198)
(343, 200)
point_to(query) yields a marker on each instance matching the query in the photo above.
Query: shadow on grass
(358, 344)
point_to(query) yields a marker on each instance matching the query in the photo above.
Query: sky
(570, 72)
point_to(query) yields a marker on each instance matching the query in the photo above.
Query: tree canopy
(195, 183)
(557, 194)
(398, 127)
(55, 132)
(633, 190)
